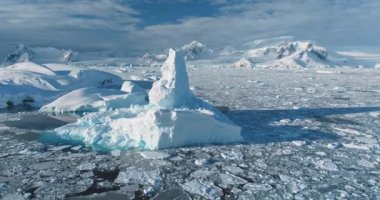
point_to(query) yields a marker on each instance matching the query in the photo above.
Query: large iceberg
(44, 83)
(173, 117)
(90, 99)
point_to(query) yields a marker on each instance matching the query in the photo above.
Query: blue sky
(148, 25)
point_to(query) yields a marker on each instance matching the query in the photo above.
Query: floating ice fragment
(365, 163)
(43, 165)
(201, 161)
(326, 164)
(233, 155)
(116, 153)
(205, 189)
(76, 148)
(59, 148)
(234, 170)
(152, 155)
(140, 176)
(13, 197)
(201, 173)
(229, 179)
(87, 166)
(256, 187)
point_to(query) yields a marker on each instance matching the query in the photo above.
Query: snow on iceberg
(44, 83)
(173, 117)
(173, 89)
(243, 63)
(93, 99)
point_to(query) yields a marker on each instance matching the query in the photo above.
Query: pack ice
(173, 117)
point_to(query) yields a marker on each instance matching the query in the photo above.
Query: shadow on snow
(257, 125)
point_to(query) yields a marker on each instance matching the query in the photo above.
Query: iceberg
(242, 63)
(173, 117)
(92, 99)
(45, 83)
(173, 89)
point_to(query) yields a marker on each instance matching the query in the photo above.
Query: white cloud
(53, 14)
(99, 24)
(331, 22)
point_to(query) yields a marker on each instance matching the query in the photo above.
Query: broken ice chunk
(13, 197)
(201, 161)
(87, 166)
(232, 155)
(365, 163)
(59, 148)
(229, 179)
(43, 165)
(202, 188)
(152, 155)
(140, 176)
(326, 164)
(255, 187)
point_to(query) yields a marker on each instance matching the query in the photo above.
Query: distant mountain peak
(21, 54)
(40, 55)
(196, 50)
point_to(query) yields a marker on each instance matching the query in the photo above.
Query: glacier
(173, 117)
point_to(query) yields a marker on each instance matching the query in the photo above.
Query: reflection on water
(28, 124)
(36, 121)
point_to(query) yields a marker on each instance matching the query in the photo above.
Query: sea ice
(229, 179)
(203, 188)
(140, 176)
(326, 164)
(154, 155)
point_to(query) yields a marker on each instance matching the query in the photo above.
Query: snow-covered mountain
(21, 54)
(39, 55)
(196, 50)
(153, 59)
(292, 54)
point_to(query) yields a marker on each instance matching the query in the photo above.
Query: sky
(155, 25)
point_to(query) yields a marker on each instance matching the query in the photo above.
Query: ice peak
(67, 55)
(21, 54)
(196, 50)
(172, 90)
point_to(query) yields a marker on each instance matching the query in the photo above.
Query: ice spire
(172, 90)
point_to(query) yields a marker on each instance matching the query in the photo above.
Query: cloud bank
(131, 25)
